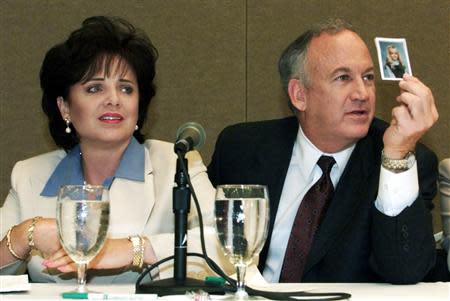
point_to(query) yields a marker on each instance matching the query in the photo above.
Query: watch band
(138, 250)
(397, 165)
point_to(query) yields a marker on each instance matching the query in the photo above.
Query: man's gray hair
(293, 60)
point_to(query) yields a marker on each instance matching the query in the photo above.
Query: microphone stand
(181, 208)
(179, 284)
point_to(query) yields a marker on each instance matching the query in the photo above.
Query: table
(438, 291)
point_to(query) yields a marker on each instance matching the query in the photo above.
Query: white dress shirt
(393, 194)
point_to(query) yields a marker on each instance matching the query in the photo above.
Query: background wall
(217, 63)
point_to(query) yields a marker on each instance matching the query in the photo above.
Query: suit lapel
(131, 203)
(351, 190)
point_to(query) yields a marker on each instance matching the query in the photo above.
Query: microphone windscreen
(194, 131)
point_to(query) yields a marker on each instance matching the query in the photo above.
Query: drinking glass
(241, 220)
(82, 215)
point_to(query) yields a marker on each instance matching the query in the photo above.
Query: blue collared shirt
(69, 171)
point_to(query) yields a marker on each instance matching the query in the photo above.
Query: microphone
(189, 136)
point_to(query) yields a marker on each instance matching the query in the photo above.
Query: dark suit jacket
(355, 242)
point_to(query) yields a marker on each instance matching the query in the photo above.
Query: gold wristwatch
(398, 165)
(138, 250)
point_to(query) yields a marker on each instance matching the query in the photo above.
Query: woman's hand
(46, 237)
(116, 253)
(61, 261)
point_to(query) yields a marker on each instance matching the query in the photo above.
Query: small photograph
(393, 58)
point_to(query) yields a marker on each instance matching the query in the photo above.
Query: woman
(97, 87)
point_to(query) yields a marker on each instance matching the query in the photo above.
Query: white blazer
(136, 208)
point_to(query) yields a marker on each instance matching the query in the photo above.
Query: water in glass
(241, 215)
(83, 219)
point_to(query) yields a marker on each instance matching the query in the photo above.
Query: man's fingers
(416, 87)
(402, 115)
(409, 79)
(420, 102)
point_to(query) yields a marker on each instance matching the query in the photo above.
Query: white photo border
(400, 43)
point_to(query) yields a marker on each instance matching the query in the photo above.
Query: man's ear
(63, 107)
(296, 91)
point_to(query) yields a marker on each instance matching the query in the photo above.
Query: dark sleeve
(403, 246)
(214, 166)
(233, 160)
(229, 151)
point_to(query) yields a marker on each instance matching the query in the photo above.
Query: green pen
(214, 281)
(103, 296)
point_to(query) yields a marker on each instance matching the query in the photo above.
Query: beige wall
(217, 63)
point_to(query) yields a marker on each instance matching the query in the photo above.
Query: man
(375, 224)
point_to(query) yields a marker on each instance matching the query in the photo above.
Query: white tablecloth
(359, 291)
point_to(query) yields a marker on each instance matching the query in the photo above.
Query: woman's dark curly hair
(87, 51)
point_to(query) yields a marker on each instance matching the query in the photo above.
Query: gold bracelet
(8, 244)
(138, 250)
(31, 231)
(141, 262)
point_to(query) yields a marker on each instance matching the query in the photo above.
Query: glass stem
(240, 273)
(82, 277)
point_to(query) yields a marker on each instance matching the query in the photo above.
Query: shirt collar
(306, 155)
(69, 171)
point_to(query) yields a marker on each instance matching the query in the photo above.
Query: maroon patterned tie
(307, 221)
